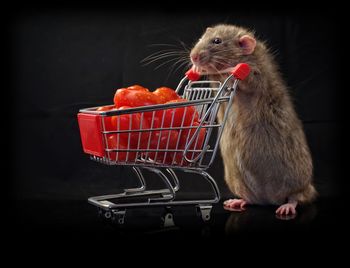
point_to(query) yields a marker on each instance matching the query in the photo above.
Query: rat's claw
(286, 209)
(227, 201)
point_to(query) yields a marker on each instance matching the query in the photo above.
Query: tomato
(137, 96)
(187, 134)
(197, 144)
(134, 98)
(156, 120)
(131, 122)
(165, 139)
(105, 108)
(107, 120)
(165, 94)
(121, 144)
(119, 95)
(181, 116)
(139, 88)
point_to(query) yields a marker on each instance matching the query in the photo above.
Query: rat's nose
(195, 58)
(201, 57)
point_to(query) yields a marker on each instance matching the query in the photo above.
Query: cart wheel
(204, 211)
(118, 216)
(107, 214)
(104, 214)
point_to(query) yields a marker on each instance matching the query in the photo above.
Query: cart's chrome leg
(141, 180)
(204, 211)
(212, 182)
(175, 179)
(166, 196)
(162, 197)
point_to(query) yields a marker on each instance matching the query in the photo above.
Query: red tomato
(166, 139)
(187, 134)
(119, 95)
(131, 122)
(107, 120)
(104, 108)
(165, 94)
(139, 88)
(181, 116)
(197, 144)
(115, 144)
(157, 119)
(134, 98)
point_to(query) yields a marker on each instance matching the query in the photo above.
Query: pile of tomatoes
(174, 137)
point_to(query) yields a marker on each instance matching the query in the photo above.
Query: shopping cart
(152, 146)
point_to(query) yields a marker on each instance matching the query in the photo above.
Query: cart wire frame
(150, 147)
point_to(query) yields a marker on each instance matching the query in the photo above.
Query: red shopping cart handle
(241, 71)
(192, 75)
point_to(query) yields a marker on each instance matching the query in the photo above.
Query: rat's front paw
(235, 204)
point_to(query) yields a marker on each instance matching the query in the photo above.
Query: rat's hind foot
(235, 204)
(287, 209)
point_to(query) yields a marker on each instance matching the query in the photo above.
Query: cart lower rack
(182, 136)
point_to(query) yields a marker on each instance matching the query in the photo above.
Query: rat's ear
(209, 29)
(247, 43)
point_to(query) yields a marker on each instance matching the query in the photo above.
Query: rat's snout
(200, 58)
(195, 57)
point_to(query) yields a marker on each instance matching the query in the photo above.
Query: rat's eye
(217, 41)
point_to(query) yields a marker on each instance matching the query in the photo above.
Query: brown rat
(263, 146)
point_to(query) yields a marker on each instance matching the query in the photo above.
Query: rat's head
(222, 47)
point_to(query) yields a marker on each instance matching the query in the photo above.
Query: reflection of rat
(259, 220)
(263, 146)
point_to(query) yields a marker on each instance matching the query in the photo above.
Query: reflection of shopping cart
(164, 145)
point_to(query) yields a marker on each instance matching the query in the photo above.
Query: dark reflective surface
(80, 220)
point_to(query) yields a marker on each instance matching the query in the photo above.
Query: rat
(265, 154)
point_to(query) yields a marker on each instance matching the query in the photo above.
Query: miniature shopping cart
(152, 148)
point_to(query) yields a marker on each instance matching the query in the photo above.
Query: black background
(65, 59)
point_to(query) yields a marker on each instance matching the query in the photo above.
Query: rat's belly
(262, 187)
